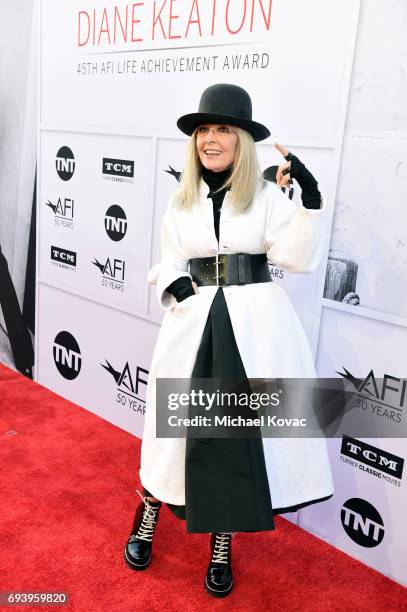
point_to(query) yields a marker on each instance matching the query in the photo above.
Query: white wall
(369, 228)
(18, 104)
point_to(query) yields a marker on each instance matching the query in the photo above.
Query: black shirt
(182, 287)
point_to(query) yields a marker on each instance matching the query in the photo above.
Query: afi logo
(391, 391)
(125, 379)
(362, 522)
(63, 207)
(67, 355)
(129, 386)
(111, 269)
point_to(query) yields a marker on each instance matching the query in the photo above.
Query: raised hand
(283, 176)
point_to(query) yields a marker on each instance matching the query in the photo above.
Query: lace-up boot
(219, 579)
(138, 550)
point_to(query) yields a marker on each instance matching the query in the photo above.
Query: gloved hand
(181, 288)
(310, 195)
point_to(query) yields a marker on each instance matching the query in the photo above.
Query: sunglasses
(222, 130)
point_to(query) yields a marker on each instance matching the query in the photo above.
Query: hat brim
(188, 123)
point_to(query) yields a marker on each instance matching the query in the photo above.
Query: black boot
(137, 552)
(219, 579)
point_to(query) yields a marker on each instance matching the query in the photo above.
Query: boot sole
(133, 565)
(217, 593)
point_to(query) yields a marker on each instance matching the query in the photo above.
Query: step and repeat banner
(114, 78)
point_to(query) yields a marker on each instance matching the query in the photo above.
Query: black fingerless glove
(181, 288)
(310, 196)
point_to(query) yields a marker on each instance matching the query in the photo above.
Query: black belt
(234, 269)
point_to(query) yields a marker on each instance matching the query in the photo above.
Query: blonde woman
(227, 320)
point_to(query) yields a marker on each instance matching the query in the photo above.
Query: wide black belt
(234, 269)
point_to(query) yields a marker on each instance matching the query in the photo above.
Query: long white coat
(269, 335)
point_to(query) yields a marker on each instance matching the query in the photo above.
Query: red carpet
(67, 482)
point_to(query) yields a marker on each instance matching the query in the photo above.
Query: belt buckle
(217, 263)
(244, 269)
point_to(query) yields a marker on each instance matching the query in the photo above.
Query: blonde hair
(243, 179)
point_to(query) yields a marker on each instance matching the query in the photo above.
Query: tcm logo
(67, 355)
(64, 256)
(115, 222)
(118, 169)
(362, 522)
(372, 456)
(65, 163)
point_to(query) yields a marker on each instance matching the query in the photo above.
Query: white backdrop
(100, 100)
(97, 100)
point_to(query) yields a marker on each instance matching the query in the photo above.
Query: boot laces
(221, 547)
(148, 521)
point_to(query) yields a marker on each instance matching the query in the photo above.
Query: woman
(235, 324)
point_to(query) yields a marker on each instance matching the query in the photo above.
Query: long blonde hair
(243, 179)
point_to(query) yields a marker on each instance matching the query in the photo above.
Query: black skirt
(226, 484)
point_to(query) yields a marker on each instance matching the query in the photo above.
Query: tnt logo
(362, 522)
(65, 163)
(115, 222)
(67, 355)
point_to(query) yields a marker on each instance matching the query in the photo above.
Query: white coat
(271, 340)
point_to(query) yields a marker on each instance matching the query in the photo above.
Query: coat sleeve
(295, 235)
(174, 261)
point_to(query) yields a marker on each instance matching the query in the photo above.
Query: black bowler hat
(224, 103)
